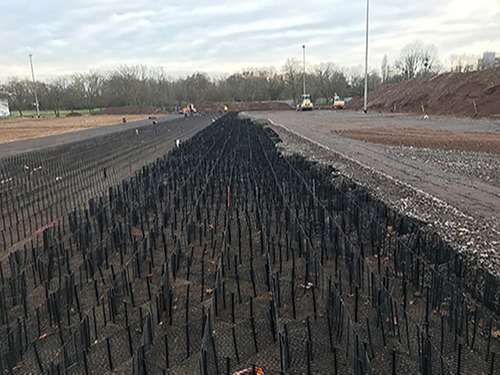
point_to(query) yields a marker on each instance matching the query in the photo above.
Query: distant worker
(225, 108)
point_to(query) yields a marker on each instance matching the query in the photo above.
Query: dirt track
(452, 189)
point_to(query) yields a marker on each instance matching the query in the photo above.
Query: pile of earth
(473, 94)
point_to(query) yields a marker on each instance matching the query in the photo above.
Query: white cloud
(226, 36)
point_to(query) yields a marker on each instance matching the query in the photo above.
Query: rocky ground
(456, 192)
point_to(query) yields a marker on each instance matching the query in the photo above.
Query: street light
(34, 86)
(366, 57)
(304, 69)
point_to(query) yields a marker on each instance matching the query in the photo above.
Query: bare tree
(129, 85)
(19, 94)
(385, 69)
(250, 82)
(275, 84)
(329, 80)
(88, 86)
(161, 87)
(358, 83)
(462, 63)
(56, 95)
(417, 59)
(292, 74)
(322, 78)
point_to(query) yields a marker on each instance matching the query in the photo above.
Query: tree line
(141, 85)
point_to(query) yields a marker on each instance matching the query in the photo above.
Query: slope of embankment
(474, 94)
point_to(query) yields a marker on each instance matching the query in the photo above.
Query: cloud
(226, 36)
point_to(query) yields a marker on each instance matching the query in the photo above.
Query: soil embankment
(474, 94)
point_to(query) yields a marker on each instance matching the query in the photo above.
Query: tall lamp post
(366, 57)
(34, 86)
(304, 68)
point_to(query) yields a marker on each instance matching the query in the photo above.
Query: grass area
(48, 113)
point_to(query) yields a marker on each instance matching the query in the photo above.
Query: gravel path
(457, 193)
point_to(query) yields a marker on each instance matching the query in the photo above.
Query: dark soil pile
(474, 94)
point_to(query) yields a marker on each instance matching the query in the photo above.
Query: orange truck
(337, 102)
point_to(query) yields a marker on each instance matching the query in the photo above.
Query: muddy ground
(443, 171)
(26, 128)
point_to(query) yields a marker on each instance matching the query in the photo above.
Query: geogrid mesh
(224, 255)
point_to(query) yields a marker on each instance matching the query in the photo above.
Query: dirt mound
(130, 110)
(474, 94)
(243, 106)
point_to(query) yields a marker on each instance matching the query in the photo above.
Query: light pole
(34, 86)
(366, 57)
(304, 68)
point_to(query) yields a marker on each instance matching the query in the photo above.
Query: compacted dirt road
(443, 171)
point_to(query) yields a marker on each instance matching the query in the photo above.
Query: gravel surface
(471, 165)
(455, 193)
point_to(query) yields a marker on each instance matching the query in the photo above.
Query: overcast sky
(220, 37)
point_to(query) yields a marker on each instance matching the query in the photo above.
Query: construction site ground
(16, 129)
(443, 171)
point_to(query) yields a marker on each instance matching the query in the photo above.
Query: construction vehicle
(305, 103)
(337, 102)
(189, 110)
